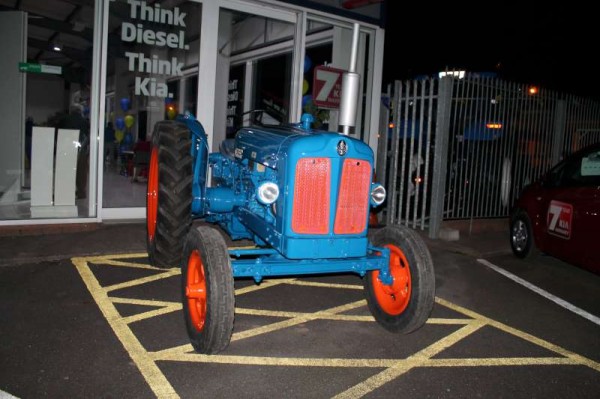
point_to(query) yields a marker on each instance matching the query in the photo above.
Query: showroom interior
(86, 81)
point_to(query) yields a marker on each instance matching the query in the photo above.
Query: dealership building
(84, 82)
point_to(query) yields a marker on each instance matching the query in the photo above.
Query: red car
(560, 214)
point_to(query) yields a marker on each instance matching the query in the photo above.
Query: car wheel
(521, 236)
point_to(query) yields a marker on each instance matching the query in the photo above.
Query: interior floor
(120, 190)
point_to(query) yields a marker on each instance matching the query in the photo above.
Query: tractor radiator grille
(311, 196)
(353, 198)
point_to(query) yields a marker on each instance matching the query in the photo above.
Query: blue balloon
(306, 99)
(307, 63)
(125, 104)
(120, 123)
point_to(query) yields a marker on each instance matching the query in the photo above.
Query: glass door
(327, 56)
(152, 53)
(255, 68)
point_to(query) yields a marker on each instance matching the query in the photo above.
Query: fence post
(558, 139)
(440, 160)
(382, 145)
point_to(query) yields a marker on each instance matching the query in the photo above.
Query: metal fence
(465, 148)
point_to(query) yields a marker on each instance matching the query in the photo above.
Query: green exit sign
(39, 68)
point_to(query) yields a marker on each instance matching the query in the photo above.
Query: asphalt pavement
(82, 314)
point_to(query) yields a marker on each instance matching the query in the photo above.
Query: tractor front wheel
(207, 290)
(405, 305)
(169, 193)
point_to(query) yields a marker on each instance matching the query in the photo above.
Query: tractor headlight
(267, 192)
(377, 194)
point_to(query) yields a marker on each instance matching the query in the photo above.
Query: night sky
(555, 47)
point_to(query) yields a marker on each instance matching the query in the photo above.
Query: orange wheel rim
(393, 299)
(195, 290)
(152, 194)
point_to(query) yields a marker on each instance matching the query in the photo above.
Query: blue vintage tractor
(301, 196)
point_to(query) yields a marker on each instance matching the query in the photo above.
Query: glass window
(44, 157)
(328, 56)
(590, 165)
(191, 94)
(272, 89)
(235, 99)
(150, 46)
(315, 56)
(577, 171)
(259, 47)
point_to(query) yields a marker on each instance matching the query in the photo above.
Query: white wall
(45, 96)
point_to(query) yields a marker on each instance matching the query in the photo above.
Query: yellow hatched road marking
(416, 360)
(144, 280)
(391, 368)
(294, 321)
(150, 371)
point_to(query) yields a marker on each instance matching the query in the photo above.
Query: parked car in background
(560, 214)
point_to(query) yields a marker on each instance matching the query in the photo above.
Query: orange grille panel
(311, 196)
(353, 199)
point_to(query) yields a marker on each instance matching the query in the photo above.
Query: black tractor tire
(521, 236)
(406, 305)
(169, 194)
(207, 290)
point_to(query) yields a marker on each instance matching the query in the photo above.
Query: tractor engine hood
(268, 145)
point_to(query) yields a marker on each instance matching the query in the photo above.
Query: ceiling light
(57, 47)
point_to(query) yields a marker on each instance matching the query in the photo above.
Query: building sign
(40, 68)
(327, 87)
(559, 219)
(157, 18)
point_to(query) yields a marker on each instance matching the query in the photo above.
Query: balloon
(129, 121)
(125, 104)
(304, 86)
(119, 134)
(120, 123)
(128, 139)
(306, 99)
(307, 63)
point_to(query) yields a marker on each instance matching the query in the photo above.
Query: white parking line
(545, 294)
(6, 395)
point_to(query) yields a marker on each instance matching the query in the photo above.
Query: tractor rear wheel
(207, 290)
(169, 194)
(405, 305)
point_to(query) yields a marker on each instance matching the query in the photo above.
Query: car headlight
(378, 194)
(267, 193)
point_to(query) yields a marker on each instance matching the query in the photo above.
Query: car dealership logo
(560, 219)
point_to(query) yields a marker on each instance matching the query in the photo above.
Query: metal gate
(465, 148)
